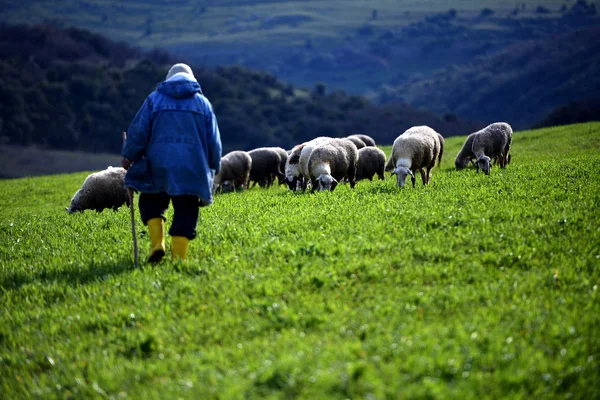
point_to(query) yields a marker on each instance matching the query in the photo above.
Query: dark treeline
(73, 90)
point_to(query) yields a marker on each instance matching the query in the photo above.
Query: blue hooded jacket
(174, 142)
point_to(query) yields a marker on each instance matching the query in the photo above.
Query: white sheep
(235, 168)
(492, 142)
(296, 167)
(100, 190)
(331, 162)
(371, 161)
(417, 148)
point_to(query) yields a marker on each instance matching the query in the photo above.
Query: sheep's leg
(304, 184)
(424, 178)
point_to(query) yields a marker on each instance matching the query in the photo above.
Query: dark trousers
(185, 216)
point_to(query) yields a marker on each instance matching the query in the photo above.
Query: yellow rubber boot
(179, 246)
(156, 227)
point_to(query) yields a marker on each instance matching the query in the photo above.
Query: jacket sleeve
(213, 140)
(138, 134)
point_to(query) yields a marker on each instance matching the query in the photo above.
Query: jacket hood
(180, 88)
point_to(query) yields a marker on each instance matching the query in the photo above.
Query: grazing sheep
(100, 190)
(371, 161)
(266, 164)
(442, 141)
(357, 142)
(492, 142)
(414, 150)
(368, 140)
(283, 154)
(296, 167)
(235, 168)
(331, 162)
(465, 155)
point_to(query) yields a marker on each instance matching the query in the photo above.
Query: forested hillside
(521, 84)
(71, 89)
(432, 53)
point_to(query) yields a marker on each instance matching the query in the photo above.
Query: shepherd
(172, 153)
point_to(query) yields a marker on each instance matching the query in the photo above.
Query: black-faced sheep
(492, 142)
(331, 162)
(266, 164)
(235, 168)
(100, 190)
(368, 140)
(371, 161)
(357, 141)
(415, 150)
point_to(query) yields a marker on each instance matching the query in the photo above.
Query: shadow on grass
(75, 275)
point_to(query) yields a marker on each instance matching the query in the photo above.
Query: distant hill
(521, 84)
(385, 50)
(354, 46)
(70, 89)
(583, 110)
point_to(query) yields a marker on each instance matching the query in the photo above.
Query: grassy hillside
(474, 286)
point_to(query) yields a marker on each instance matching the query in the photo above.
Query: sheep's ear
(410, 173)
(333, 184)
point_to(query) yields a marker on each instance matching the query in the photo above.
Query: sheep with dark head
(415, 150)
(371, 161)
(331, 162)
(100, 190)
(235, 169)
(492, 142)
(266, 166)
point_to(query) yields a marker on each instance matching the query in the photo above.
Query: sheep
(415, 149)
(100, 190)
(442, 141)
(235, 168)
(357, 141)
(331, 162)
(492, 142)
(371, 161)
(297, 163)
(283, 154)
(465, 155)
(368, 140)
(265, 166)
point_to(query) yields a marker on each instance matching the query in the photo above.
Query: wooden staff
(131, 211)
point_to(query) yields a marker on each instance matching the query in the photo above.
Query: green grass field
(472, 287)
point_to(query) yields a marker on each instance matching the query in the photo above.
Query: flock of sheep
(322, 163)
